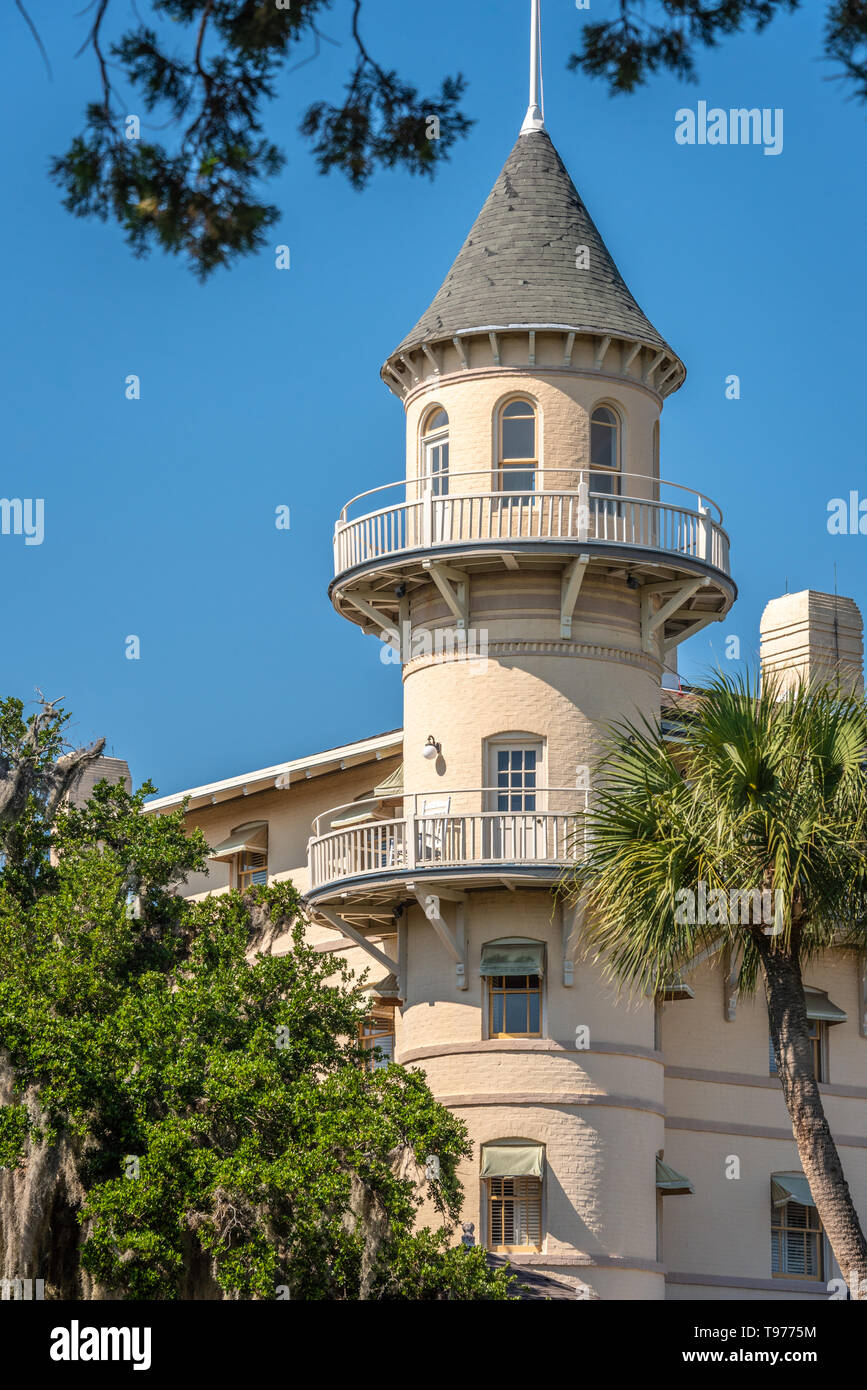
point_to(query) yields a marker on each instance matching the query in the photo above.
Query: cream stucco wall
(721, 1103)
(601, 1112)
(564, 403)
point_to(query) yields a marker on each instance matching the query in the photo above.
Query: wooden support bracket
(454, 586)
(409, 367)
(402, 386)
(340, 924)
(454, 942)
(652, 366)
(650, 621)
(601, 348)
(702, 956)
(730, 983)
(461, 938)
(630, 356)
(402, 934)
(374, 615)
(570, 587)
(690, 631)
(571, 919)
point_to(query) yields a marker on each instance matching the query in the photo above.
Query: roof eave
(316, 764)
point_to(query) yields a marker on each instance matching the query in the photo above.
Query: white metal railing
(465, 828)
(572, 505)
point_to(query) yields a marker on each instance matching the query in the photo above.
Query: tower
(530, 572)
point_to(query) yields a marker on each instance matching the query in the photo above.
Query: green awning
(354, 819)
(512, 958)
(512, 1160)
(791, 1187)
(252, 837)
(393, 784)
(820, 1007)
(670, 1182)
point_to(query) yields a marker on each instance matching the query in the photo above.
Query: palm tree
(760, 792)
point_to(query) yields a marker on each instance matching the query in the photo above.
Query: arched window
(517, 447)
(604, 449)
(435, 451)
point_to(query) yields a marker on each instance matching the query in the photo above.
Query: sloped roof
(517, 266)
(386, 745)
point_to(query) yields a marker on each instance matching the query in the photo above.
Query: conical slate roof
(517, 266)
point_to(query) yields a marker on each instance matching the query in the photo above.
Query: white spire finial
(535, 117)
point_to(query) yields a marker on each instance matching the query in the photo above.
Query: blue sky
(262, 387)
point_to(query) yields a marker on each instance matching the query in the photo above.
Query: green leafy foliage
(223, 1125)
(14, 1128)
(29, 751)
(649, 36)
(197, 192)
(759, 793)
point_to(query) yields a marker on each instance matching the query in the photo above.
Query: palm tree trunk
(793, 1049)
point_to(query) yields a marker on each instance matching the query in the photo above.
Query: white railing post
(417, 841)
(411, 833)
(431, 519)
(583, 508)
(704, 532)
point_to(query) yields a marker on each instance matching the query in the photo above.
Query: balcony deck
(661, 533)
(445, 836)
(646, 514)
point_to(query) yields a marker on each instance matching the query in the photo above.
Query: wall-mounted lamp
(400, 591)
(431, 749)
(631, 582)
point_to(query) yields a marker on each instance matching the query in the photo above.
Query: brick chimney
(107, 769)
(814, 637)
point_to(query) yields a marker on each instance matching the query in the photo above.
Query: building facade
(533, 575)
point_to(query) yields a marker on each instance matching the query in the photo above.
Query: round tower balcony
(396, 538)
(477, 838)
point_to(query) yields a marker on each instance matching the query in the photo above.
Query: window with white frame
(604, 449)
(514, 768)
(252, 867)
(515, 794)
(797, 1237)
(517, 451)
(435, 451)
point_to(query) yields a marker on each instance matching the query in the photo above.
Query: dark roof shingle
(517, 266)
